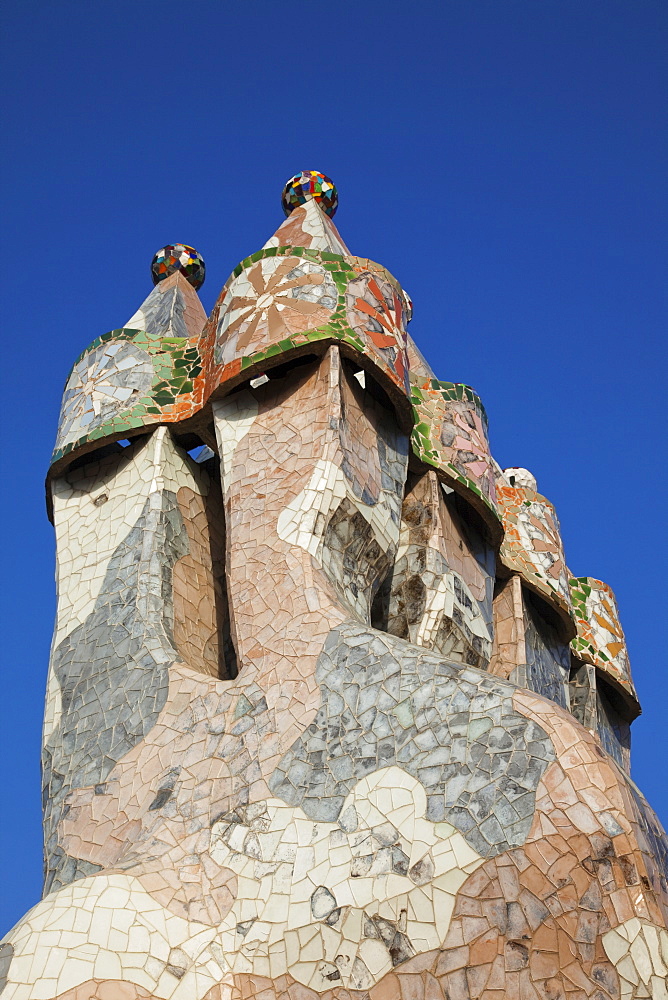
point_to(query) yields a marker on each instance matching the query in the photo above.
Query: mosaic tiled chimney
(327, 717)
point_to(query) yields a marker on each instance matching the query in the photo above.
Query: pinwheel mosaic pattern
(377, 312)
(274, 299)
(102, 384)
(126, 379)
(281, 298)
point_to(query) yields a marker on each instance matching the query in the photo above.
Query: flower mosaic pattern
(147, 372)
(125, 380)
(532, 543)
(376, 312)
(101, 385)
(292, 303)
(276, 298)
(281, 298)
(600, 639)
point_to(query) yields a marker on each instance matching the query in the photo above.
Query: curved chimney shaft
(313, 470)
(138, 593)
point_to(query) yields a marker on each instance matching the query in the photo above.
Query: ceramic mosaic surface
(548, 659)
(281, 300)
(450, 433)
(306, 737)
(529, 650)
(286, 298)
(310, 184)
(124, 379)
(517, 476)
(179, 257)
(443, 577)
(147, 372)
(532, 544)
(600, 639)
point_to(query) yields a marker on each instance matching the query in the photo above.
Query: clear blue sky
(506, 159)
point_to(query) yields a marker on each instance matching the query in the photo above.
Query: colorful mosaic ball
(310, 184)
(179, 257)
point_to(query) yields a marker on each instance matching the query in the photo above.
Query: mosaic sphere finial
(179, 257)
(310, 184)
(517, 476)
